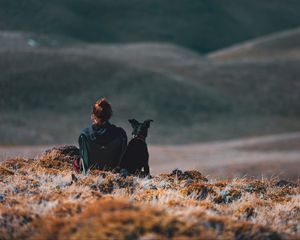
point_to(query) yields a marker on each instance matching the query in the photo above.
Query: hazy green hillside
(282, 45)
(203, 25)
(47, 92)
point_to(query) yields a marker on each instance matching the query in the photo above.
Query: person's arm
(84, 158)
(123, 137)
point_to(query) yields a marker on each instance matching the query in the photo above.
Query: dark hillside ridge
(47, 92)
(282, 45)
(201, 25)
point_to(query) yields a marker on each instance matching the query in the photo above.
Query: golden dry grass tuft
(43, 198)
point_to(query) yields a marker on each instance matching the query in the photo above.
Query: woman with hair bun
(101, 112)
(101, 144)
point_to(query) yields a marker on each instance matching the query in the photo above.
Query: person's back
(102, 144)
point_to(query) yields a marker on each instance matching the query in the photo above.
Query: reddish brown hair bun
(101, 111)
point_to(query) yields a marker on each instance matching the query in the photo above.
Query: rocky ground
(43, 198)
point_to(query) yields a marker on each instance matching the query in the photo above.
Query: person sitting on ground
(101, 144)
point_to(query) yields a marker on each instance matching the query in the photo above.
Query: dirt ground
(260, 157)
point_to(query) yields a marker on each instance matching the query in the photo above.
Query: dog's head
(140, 129)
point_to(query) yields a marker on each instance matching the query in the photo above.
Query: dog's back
(136, 157)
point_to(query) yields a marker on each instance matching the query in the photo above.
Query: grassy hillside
(202, 25)
(44, 199)
(282, 45)
(47, 92)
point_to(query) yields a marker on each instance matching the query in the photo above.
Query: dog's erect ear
(133, 122)
(147, 123)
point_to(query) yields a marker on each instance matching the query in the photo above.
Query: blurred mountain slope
(282, 45)
(47, 89)
(203, 25)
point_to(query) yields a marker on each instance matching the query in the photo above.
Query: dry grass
(42, 199)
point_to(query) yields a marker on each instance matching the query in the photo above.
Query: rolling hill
(282, 45)
(204, 25)
(47, 89)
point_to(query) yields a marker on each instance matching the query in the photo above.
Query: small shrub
(245, 212)
(199, 190)
(255, 186)
(228, 196)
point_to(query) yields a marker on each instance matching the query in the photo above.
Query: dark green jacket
(102, 146)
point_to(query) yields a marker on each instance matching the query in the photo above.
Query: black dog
(136, 156)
